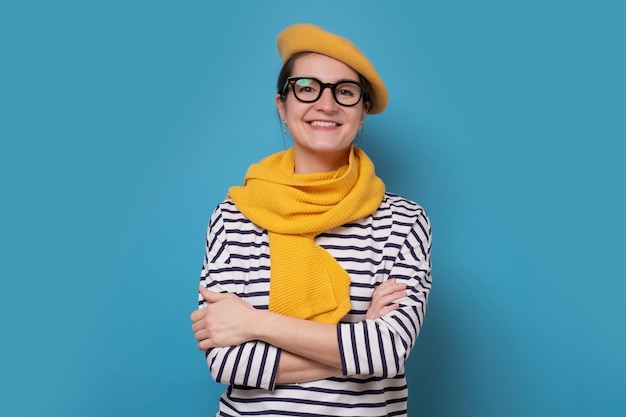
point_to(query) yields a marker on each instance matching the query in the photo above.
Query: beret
(305, 37)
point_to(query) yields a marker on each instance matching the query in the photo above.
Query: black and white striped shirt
(394, 242)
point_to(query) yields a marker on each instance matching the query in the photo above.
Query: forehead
(323, 67)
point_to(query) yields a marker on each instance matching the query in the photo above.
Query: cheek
(294, 110)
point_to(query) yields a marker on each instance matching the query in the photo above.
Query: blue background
(123, 123)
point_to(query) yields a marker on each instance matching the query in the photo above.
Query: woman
(315, 280)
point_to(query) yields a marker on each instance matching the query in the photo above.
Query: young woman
(315, 279)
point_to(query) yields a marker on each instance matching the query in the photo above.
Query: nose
(327, 101)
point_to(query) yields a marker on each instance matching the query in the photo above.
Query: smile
(322, 123)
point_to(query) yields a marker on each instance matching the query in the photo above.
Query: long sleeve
(252, 364)
(380, 347)
(394, 242)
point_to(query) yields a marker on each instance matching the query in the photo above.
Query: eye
(348, 90)
(306, 86)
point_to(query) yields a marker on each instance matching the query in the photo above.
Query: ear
(367, 105)
(366, 108)
(280, 105)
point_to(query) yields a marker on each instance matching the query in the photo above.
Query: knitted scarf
(305, 280)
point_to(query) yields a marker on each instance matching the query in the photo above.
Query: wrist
(258, 323)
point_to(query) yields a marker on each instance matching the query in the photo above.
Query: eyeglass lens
(347, 93)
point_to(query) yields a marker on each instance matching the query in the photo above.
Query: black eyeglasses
(309, 90)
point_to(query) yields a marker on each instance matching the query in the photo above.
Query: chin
(328, 146)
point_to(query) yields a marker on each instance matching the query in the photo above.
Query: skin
(310, 349)
(321, 148)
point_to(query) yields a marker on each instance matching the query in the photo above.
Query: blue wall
(122, 123)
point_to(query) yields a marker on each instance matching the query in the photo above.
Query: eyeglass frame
(291, 81)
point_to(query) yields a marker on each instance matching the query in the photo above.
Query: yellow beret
(305, 37)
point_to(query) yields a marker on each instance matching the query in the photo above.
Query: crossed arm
(310, 350)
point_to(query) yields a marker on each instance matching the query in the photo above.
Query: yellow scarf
(305, 280)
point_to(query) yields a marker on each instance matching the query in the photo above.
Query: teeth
(323, 124)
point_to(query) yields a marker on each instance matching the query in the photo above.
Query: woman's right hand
(384, 298)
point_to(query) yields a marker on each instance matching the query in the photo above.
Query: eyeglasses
(309, 90)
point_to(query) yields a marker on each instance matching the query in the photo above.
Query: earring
(285, 130)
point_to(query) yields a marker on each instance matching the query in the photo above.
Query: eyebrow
(324, 82)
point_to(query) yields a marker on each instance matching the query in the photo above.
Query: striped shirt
(394, 242)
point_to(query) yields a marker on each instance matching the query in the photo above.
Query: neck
(309, 163)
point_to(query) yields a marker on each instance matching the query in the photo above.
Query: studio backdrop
(123, 123)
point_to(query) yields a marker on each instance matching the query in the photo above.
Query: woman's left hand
(226, 321)
(384, 298)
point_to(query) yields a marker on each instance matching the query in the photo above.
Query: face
(324, 130)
